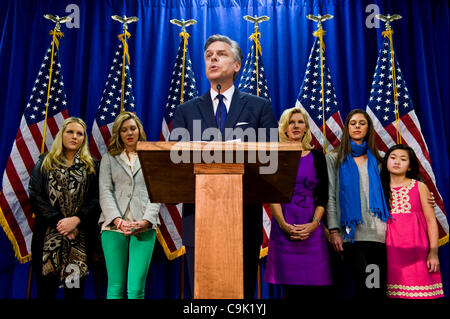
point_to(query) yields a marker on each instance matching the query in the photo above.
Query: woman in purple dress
(298, 254)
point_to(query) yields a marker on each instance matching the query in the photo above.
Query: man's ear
(237, 66)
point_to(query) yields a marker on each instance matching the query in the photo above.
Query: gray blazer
(119, 186)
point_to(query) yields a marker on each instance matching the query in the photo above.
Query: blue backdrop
(420, 39)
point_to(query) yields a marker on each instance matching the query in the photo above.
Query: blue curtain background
(420, 39)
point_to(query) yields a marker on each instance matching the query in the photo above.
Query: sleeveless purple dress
(303, 262)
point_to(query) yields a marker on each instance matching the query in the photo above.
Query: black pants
(367, 263)
(311, 293)
(47, 288)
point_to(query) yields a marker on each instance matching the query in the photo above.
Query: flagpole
(123, 37)
(55, 33)
(256, 35)
(255, 38)
(183, 24)
(389, 34)
(319, 33)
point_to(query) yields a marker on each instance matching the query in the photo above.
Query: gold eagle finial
(388, 19)
(319, 19)
(125, 20)
(256, 20)
(57, 20)
(183, 24)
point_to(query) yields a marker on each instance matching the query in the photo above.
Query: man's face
(220, 63)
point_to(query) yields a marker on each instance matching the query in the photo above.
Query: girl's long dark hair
(345, 148)
(412, 172)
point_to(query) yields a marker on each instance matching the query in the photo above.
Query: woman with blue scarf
(357, 211)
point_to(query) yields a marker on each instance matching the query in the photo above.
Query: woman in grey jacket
(357, 210)
(128, 219)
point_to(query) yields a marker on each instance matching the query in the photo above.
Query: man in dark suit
(225, 112)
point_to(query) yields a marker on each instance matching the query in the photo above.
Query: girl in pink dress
(412, 232)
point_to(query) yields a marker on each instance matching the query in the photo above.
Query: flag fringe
(443, 240)
(263, 252)
(170, 255)
(12, 239)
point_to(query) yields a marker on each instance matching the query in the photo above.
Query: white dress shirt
(228, 95)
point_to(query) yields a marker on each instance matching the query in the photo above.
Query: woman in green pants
(128, 220)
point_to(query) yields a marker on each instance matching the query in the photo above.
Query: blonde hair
(55, 158)
(284, 123)
(116, 145)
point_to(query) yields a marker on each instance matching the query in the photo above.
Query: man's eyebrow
(219, 50)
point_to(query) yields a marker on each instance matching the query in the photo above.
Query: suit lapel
(207, 110)
(137, 166)
(237, 105)
(124, 165)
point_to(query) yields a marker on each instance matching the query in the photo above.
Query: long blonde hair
(116, 145)
(55, 158)
(284, 123)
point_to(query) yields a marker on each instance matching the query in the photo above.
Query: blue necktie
(223, 113)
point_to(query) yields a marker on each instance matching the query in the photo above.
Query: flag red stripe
(315, 143)
(380, 143)
(392, 131)
(176, 218)
(13, 226)
(24, 152)
(337, 118)
(167, 238)
(37, 136)
(412, 128)
(94, 149)
(52, 126)
(331, 137)
(21, 193)
(105, 133)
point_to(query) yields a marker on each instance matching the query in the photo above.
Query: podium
(219, 177)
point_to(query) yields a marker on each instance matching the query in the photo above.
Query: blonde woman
(63, 193)
(128, 219)
(298, 255)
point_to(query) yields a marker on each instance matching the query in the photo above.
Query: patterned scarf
(67, 189)
(349, 190)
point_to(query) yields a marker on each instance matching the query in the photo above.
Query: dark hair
(412, 172)
(345, 148)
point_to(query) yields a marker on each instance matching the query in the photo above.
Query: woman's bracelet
(316, 220)
(119, 223)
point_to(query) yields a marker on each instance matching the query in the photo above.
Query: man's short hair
(237, 52)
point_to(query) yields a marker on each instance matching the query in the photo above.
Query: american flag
(310, 98)
(109, 106)
(248, 79)
(169, 232)
(249, 84)
(15, 213)
(381, 109)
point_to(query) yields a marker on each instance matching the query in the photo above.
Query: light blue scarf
(349, 192)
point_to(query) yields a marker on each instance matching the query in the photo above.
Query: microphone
(218, 108)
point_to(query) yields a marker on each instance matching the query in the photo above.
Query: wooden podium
(219, 177)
